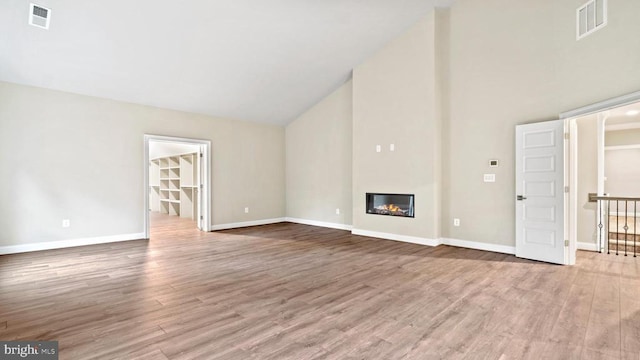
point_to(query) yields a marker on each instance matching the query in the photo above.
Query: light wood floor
(288, 291)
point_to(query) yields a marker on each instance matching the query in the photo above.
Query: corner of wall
(441, 50)
(318, 146)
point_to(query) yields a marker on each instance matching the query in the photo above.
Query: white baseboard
(504, 249)
(247, 224)
(587, 246)
(319, 223)
(396, 237)
(49, 245)
(511, 250)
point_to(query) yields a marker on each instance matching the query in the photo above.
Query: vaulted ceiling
(257, 60)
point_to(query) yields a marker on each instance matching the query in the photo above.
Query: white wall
(513, 62)
(622, 163)
(81, 158)
(622, 172)
(395, 101)
(587, 178)
(158, 149)
(318, 161)
(622, 137)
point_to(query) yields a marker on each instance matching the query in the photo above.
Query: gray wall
(81, 158)
(587, 178)
(449, 93)
(513, 62)
(318, 148)
(395, 102)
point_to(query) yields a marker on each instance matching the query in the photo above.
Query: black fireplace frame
(369, 199)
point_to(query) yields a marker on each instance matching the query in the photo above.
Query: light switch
(489, 177)
(378, 148)
(392, 147)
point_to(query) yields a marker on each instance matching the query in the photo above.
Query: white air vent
(591, 17)
(39, 16)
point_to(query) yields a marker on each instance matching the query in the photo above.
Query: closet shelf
(170, 201)
(175, 189)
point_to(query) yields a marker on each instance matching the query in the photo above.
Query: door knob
(520, 197)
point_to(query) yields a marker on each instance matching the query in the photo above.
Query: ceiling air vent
(591, 17)
(39, 16)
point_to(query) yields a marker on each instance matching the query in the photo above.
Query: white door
(540, 157)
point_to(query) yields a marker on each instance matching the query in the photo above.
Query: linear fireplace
(390, 204)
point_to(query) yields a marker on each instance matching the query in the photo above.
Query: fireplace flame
(390, 208)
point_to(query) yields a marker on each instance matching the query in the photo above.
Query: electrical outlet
(456, 222)
(66, 223)
(337, 211)
(246, 210)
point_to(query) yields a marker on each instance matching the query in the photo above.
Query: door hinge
(201, 217)
(566, 243)
(200, 154)
(566, 189)
(566, 136)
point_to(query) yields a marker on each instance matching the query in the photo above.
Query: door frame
(571, 166)
(571, 196)
(204, 193)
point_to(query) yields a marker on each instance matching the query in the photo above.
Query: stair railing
(618, 224)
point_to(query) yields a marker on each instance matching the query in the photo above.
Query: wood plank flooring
(288, 291)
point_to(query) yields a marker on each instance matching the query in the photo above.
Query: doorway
(608, 158)
(576, 207)
(594, 131)
(177, 181)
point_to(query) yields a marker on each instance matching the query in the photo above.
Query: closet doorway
(177, 181)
